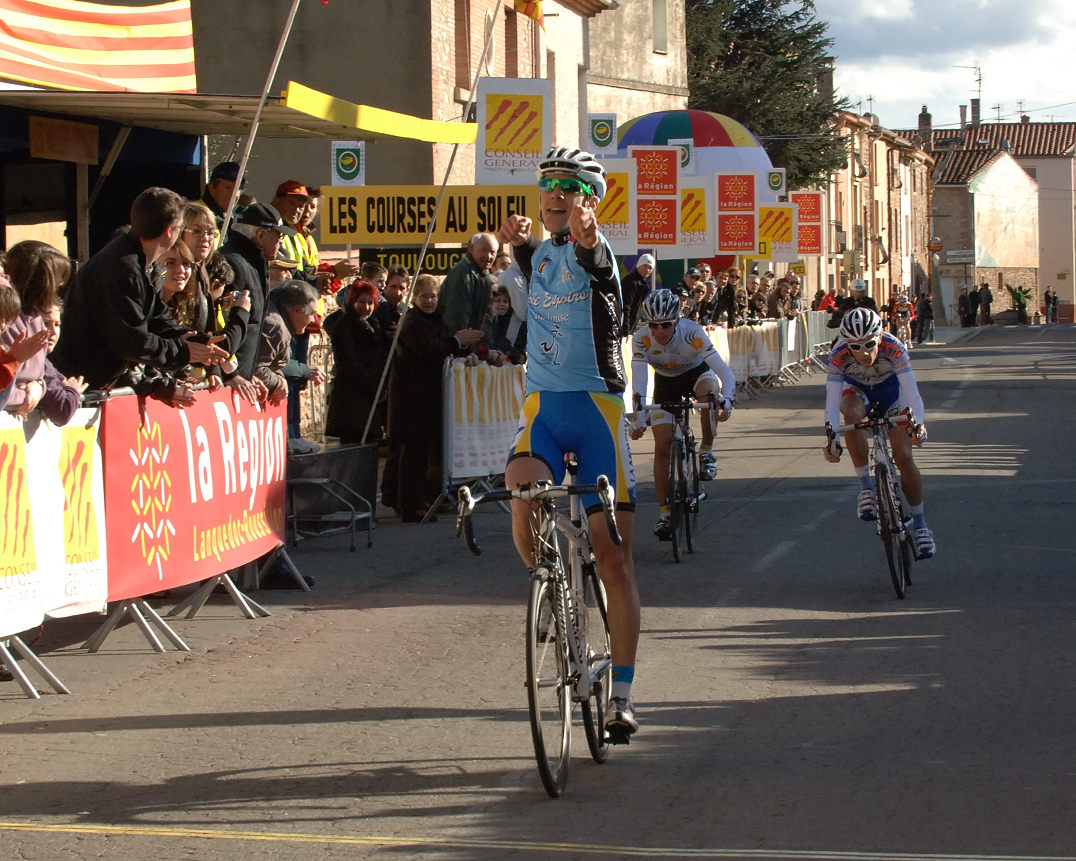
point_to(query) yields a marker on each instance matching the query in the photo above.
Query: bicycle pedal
(617, 736)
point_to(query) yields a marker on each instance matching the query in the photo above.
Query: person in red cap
(290, 199)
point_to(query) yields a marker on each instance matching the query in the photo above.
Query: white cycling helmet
(859, 324)
(903, 298)
(578, 163)
(661, 306)
(859, 285)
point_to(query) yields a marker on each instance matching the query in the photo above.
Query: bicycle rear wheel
(891, 528)
(677, 496)
(600, 659)
(691, 494)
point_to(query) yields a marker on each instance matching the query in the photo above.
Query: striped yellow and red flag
(530, 8)
(74, 45)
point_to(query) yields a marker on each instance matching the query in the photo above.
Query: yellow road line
(461, 843)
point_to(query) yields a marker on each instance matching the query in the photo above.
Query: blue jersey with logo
(573, 320)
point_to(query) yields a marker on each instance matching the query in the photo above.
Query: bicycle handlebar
(538, 492)
(875, 420)
(711, 403)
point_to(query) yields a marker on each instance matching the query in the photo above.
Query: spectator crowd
(169, 306)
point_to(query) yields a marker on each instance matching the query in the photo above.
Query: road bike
(902, 328)
(894, 522)
(683, 493)
(569, 657)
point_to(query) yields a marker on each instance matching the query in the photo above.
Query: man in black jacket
(253, 241)
(634, 289)
(218, 192)
(113, 317)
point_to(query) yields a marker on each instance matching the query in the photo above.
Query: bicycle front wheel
(891, 529)
(549, 692)
(691, 495)
(677, 495)
(600, 661)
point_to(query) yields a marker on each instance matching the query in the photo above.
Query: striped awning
(73, 45)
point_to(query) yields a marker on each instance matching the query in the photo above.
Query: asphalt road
(791, 707)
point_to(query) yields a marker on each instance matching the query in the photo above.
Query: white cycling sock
(863, 473)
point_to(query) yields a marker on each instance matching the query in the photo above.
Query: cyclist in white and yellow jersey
(685, 363)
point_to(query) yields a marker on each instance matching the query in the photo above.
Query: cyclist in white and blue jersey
(575, 384)
(870, 368)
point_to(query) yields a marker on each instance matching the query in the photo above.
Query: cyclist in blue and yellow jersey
(685, 362)
(575, 384)
(868, 368)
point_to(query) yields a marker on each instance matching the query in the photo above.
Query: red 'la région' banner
(190, 493)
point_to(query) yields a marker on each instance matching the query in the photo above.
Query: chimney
(926, 127)
(963, 117)
(975, 113)
(824, 80)
(1024, 119)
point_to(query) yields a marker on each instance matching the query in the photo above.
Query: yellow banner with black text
(383, 215)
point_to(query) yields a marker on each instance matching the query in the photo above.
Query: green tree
(759, 61)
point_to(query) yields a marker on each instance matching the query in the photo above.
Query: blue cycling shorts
(887, 394)
(590, 424)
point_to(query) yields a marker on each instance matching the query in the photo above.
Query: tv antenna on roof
(997, 109)
(978, 78)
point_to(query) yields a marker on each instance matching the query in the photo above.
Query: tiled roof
(962, 165)
(1027, 140)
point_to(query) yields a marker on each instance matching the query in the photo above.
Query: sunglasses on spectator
(668, 324)
(569, 185)
(869, 345)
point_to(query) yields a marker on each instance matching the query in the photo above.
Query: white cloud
(1024, 47)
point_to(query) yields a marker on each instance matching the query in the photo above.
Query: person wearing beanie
(634, 289)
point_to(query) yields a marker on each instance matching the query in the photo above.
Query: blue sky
(903, 52)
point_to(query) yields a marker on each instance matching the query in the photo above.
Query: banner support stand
(253, 581)
(34, 661)
(480, 485)
(251, 609)
(139, 609)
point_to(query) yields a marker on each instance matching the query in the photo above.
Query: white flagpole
(433, 221)
(257, 120)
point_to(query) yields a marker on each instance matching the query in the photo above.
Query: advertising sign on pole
(688, 163)
(616, 212)
(601, 134)
(657, 195)
(515, 127)
(777, 226)
(383, 215)
(737, 232)
(776, 180)
(809, 239)
(736, 192)
(697, 224)
(810, 206)
(349, 163)
(736, 198)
